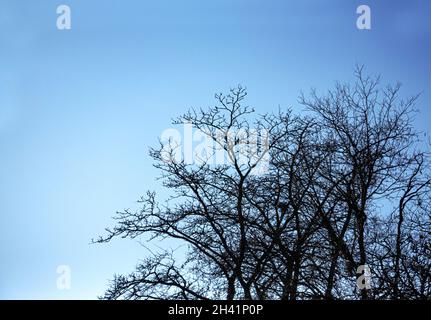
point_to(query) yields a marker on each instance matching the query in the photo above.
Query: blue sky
(79, 108)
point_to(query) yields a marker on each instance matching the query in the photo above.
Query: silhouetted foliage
(346, 184)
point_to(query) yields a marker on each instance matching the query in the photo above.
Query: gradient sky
(79, 108)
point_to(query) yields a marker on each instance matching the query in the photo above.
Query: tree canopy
(340, 210)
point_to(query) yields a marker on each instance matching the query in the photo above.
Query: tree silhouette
(346, 184)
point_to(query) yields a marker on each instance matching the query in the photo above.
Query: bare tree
(345, 185)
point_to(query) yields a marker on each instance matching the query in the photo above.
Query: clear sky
(79, 108)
